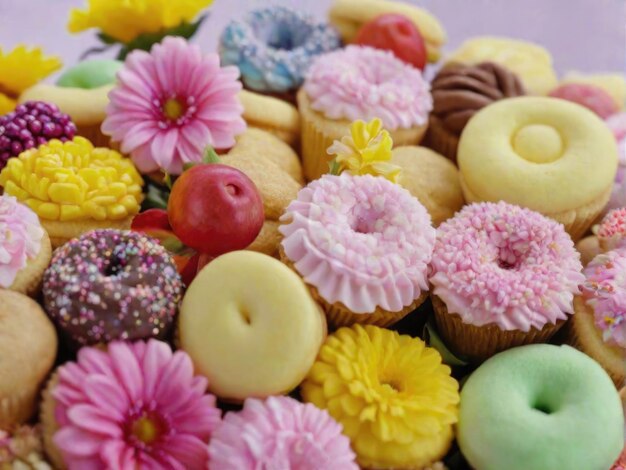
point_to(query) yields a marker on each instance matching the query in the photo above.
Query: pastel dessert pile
(327, 245)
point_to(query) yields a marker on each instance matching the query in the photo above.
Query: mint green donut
(540, 407)
(90, 74)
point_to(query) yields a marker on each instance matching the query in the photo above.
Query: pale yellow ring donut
(546, 154)
(250, 326)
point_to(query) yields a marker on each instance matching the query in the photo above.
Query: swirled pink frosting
(360, 240)
(617, 124)
(496, 263)
(612, 229)
(280, 433)
(365, 83)
(20, 238)
(605, 292)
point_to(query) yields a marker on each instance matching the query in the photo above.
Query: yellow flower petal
(22, 67)
(124, 20)
(6, 104)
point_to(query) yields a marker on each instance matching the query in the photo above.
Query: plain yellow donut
(546, 154)
(250, 326)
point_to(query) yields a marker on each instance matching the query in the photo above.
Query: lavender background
(585, 35)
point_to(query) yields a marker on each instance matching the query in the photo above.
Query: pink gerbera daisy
(135, 405)
(169, 104)
(280, 433)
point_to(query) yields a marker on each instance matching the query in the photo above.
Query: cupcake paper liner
(478, 343)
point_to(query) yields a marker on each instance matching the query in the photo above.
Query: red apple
(395, 33)
(214, 209)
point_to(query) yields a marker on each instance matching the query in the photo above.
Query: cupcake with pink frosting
(24, 247)
(135, 405)
(280, 433)
(611, 232)
(617, 124)
(362, 244)
(599, 325)
(502, 276)
(359, 83)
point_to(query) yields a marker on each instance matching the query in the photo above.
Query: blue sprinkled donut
(273, 47)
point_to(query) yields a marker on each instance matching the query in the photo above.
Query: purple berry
(31, 124)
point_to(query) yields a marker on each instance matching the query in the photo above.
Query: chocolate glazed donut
(109, 285)
(460, 91)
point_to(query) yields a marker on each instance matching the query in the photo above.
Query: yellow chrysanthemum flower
(124, 20)
(72, 180)
(366, 151)
(20, 69)
(395, 399)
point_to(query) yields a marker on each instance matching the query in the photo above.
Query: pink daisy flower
(169, 104)
(280, 433)
(136, 405)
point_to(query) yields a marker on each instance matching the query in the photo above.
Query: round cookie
(589, 248)
(250, 326)
(90, 74)
(540, 407)
(28, 348)
(272, 115)
(546, 154)
(431, 178)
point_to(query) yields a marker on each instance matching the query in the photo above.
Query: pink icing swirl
(496, 263)
(605, 292)
(20, 238)
(280, 433)
(617, 124)
(360, 240)
(364, 83)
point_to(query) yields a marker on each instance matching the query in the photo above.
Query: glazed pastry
(383, 388)
(20, 69)
(460, 91)
(276, 171)
(547, 154)
(172, 102)
(348, 16)
(524, 408)
(85, 107)
(74, 187)
(244, 313)
(271, 115)
(432, 179)
(359, 83)
(591, 97)
(613, 83)
(503, 276)
(362, 244)
(29, 348)
(30, 125)
(89, 74)
(22, 449)
(273, 48)
(599, 328)
(132, 405)
(611, 232)
(588, 248)
(280, 432)
(25, 248)
(109, 285)
(530, 62)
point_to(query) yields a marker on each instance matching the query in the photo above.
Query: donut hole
(282, 35)
(544, 405)
(368, 221)
(112, 268)
(508, 260)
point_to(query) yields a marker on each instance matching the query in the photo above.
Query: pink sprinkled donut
(361, 241)
(612, 230)
(496, 263)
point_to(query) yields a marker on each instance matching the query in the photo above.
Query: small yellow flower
(124, 20)
(20, 69)
(366, 151)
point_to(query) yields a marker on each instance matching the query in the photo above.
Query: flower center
(173, 109)
(148, 428)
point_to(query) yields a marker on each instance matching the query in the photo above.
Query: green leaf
(334, 167)
(167, 180)
(156, 198)
(433, 339)
(105, 38)
(210, 155)
(188, 166)
(145, 41)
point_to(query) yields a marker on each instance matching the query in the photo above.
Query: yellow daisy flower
(366, 151)
(124, 20)
(395, 399)
(20, 69)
